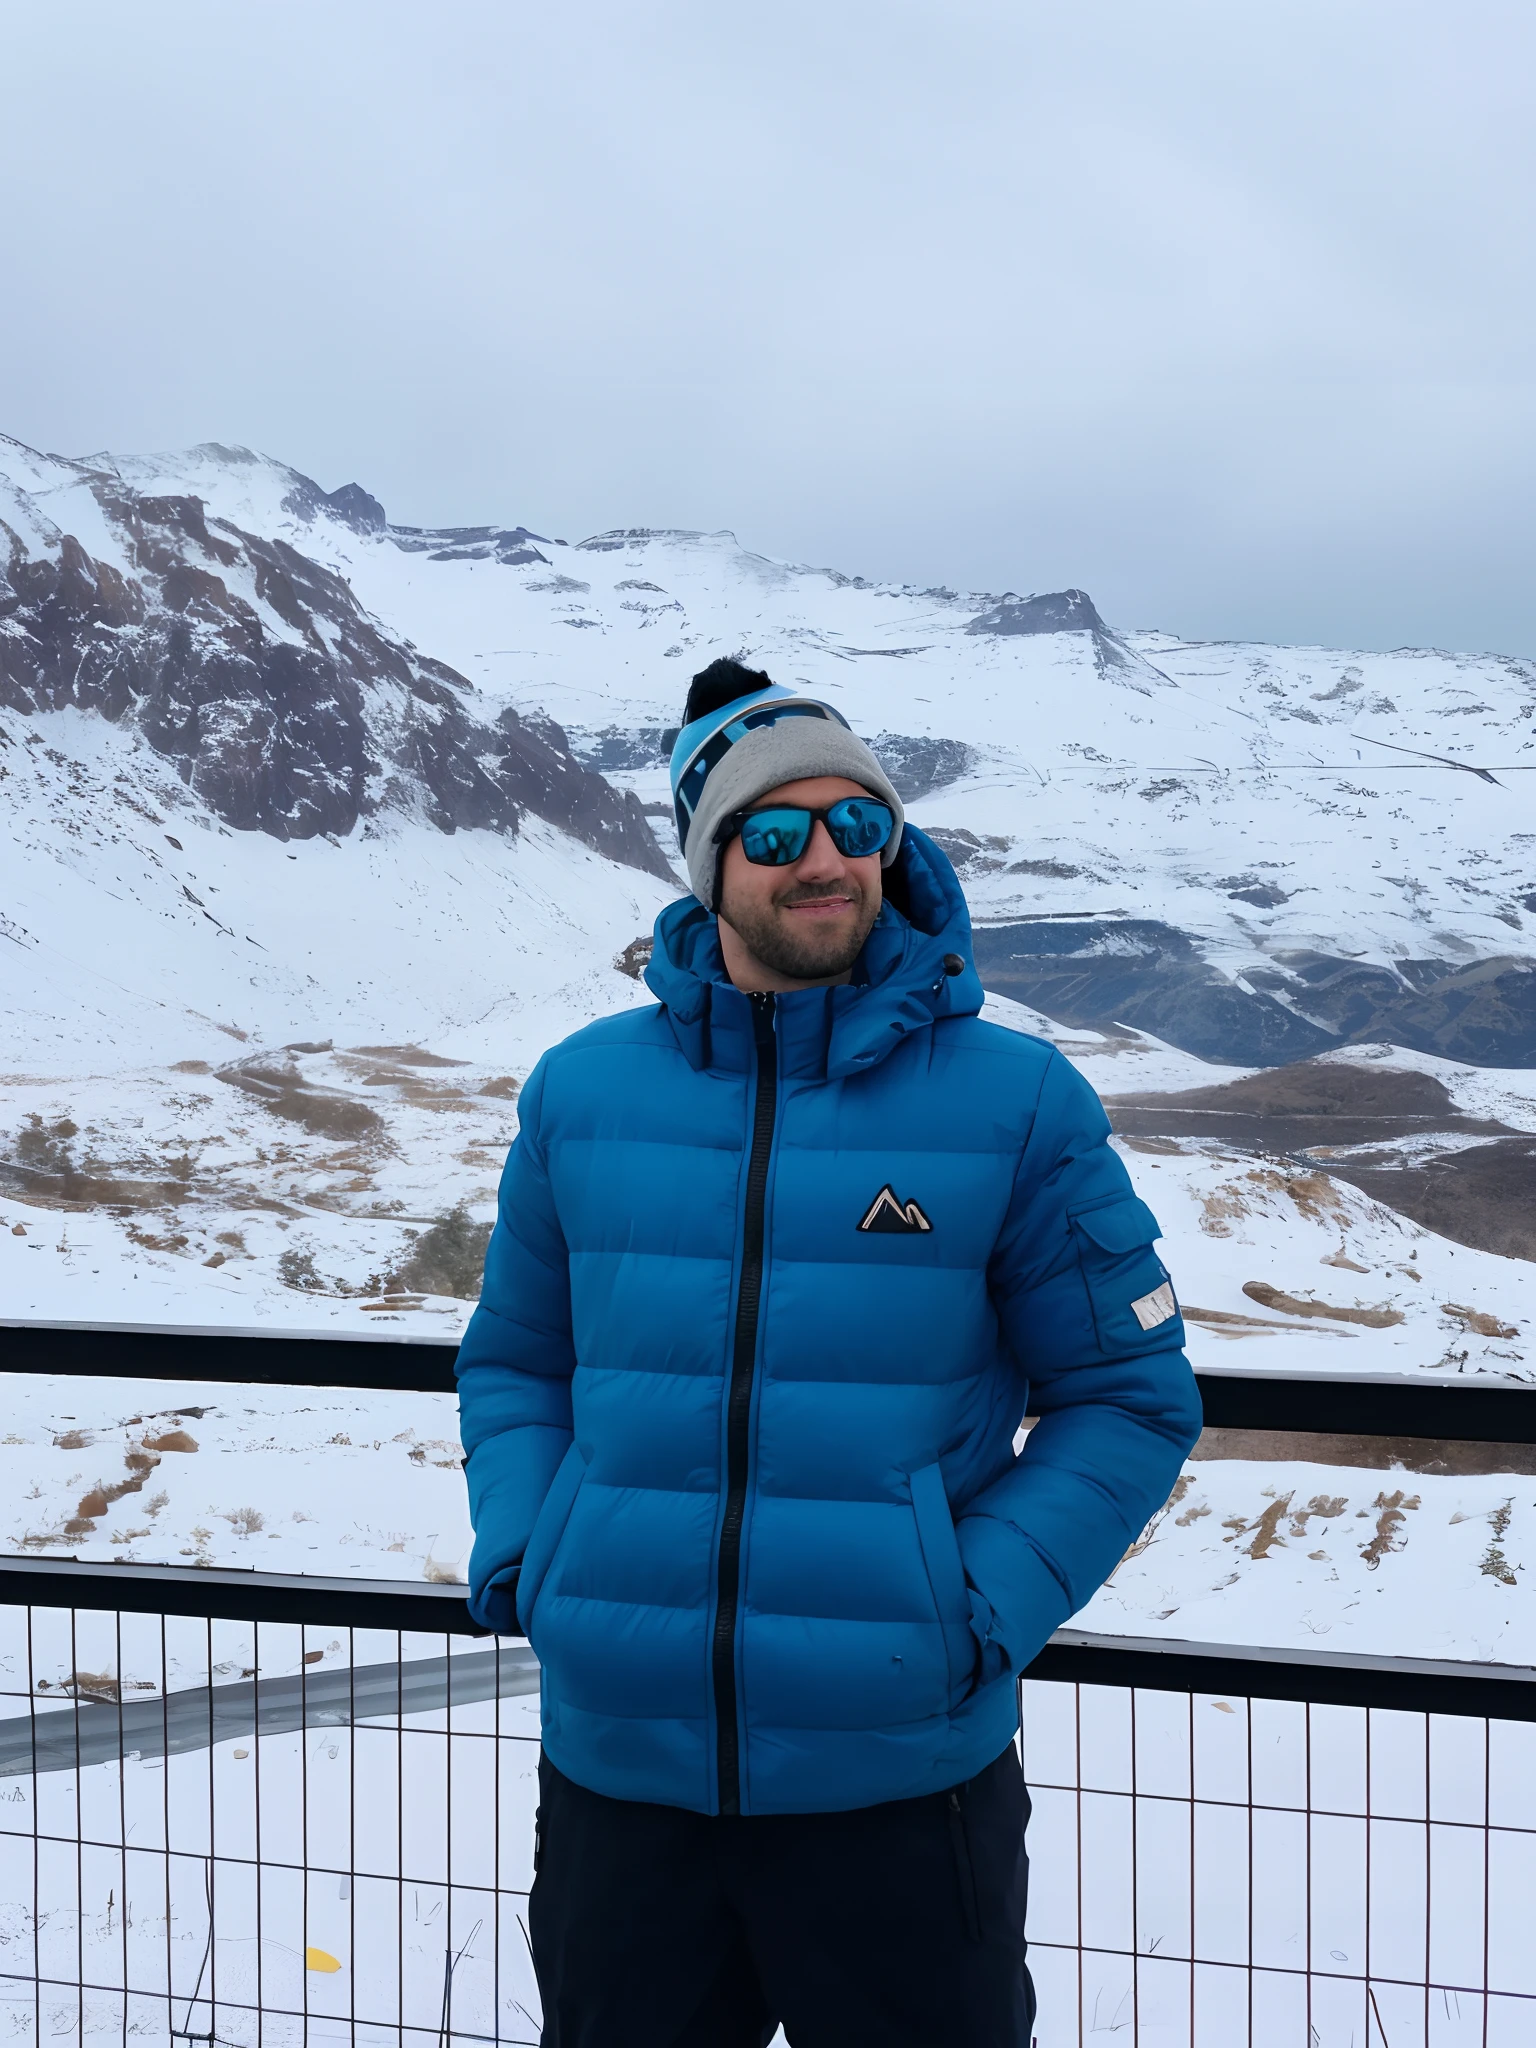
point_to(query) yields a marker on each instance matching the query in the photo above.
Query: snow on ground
(1307, 1556)
(257, 1478)
(394, 992)
(261, 1074)
(1408, 1564)
(1127, 775)
(1129, 1063)
(73, 1268)
(1338, 1283)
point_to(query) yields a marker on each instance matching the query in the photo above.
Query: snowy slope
(1144, 829)
(1180, 780)
(1280, 808)
(254, 1056)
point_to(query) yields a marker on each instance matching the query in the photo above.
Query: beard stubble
(807, 954)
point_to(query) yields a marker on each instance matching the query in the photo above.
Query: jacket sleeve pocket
(547, 1532)
(1129, 1290)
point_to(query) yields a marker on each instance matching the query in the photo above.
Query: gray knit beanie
(745, 735)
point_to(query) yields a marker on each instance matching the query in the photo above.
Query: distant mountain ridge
(1255, 853)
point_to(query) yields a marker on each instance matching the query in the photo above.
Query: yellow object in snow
(317, 1959)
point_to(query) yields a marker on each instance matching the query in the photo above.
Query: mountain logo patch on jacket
(886, 1213)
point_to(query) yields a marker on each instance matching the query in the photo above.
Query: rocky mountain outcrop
(280, 701)
(1070, 611)
(1057, 611)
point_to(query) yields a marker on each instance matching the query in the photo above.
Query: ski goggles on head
(779, 835)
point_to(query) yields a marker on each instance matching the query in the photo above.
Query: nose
(821, 860)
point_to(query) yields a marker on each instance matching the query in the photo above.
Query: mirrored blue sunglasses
(778, 836)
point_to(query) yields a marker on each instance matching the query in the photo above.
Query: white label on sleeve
(1157, 1307)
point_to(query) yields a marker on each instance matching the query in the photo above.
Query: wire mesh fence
(215, 1831)
(262, 1832)
(1223, 1872)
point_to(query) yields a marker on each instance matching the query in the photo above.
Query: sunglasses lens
(860, 825)
(773, 839)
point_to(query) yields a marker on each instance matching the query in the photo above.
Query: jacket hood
(900, 983)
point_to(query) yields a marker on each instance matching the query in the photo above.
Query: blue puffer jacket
(747, 1429)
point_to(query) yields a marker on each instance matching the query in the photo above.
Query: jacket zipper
(739, 1408)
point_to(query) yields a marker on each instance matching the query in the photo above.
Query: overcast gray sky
(1221, 310)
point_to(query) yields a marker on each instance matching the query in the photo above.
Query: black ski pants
(893, 1926)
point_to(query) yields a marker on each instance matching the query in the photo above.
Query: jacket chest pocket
(1129, 1290)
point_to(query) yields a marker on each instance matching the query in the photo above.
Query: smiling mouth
(820, 906)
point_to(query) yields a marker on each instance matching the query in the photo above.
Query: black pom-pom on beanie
(722, 683)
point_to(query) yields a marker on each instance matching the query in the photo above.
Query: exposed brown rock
(1292, 1305)
(293, 736)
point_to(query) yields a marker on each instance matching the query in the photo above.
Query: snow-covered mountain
(1257, 852)
(318, 828)
(252, 671)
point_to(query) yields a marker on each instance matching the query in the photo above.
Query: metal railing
(246, 1809)
(263, 1832)
(1244, 1872)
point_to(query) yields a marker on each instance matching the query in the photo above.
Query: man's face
(802, 925)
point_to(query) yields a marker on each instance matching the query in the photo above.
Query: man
(780, 1261)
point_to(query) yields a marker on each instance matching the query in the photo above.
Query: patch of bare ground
(1483, 1196)
(1313, 1193)
(153, 1241)
(1294, 1305)
(1391, 1532)
(432, 1095)
(280, 1088)
(1478, 1322)
(405, 1055)
(1494, 1564)
(410, 1087)
(1226, 1319)
(101, 1686)
(43, 1162)
(1381, 1101)
(140, 1461)
(1320, 1088)
(1426, 1455)
(1280, 1520)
